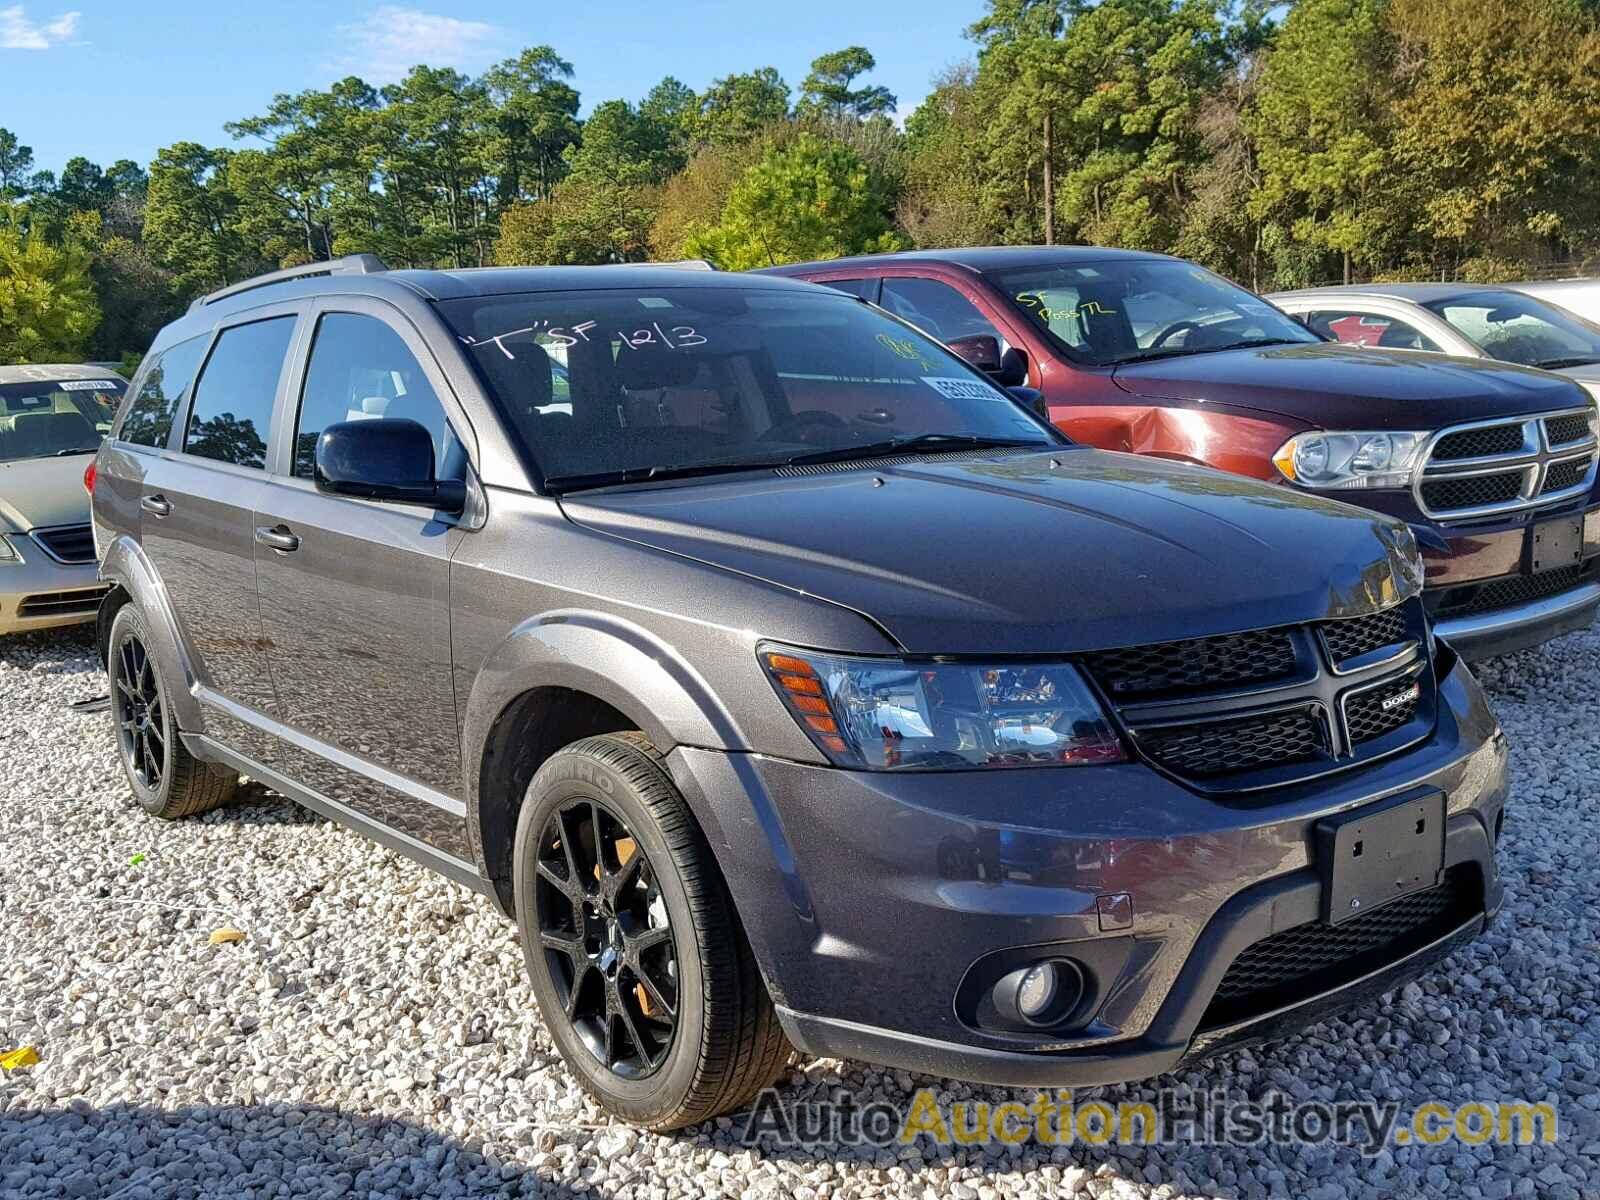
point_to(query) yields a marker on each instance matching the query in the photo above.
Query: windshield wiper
(1555, 364)
(595, 479)
(1181, 351)
(922, 441)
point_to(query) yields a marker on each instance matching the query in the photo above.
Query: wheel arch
(134, 581)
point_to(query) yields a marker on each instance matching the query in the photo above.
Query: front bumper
(36, 592)
(868, 897)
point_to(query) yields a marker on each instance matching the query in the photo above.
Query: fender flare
(124, 564)
(611, 659)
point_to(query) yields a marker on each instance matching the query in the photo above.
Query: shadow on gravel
(138, 1152)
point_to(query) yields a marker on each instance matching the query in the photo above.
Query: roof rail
(687, 264)
(350, 264)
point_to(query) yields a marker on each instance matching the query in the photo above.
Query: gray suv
(789, 683)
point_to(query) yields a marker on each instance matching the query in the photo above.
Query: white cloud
(389, 41)
(19, 33)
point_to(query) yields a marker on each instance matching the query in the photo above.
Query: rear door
(355, 593)
(197, 503)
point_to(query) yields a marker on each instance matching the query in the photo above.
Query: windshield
(1126, 310)
(56, 417)
(1520, 329)
(606, 386)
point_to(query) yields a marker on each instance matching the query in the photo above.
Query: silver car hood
(41, 492)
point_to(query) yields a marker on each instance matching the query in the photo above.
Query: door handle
(157, 505)
(278, 537)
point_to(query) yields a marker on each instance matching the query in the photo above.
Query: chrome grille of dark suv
(1497, 467)
(1241, 712)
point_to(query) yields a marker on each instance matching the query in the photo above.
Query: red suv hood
(1351, 387)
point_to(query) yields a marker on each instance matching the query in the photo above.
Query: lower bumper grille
(1300, 962)
(1469, 599)
(61, 604)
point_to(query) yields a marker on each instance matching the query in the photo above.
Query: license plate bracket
(1379, 853)
(1555, 544)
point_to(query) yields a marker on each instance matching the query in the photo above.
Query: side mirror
(1033, 400)
(385, 459)
(982, 350)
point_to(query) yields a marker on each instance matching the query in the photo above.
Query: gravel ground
(373, 1035)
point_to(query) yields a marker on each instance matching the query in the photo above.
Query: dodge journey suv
(787, 681)
(1492, 464)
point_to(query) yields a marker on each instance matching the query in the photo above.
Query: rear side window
(361, 370)
(867, 289)
(232, 409)
(935, 308)
(149, 418)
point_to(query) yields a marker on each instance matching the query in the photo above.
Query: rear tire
(167, 781)
(682, 1030)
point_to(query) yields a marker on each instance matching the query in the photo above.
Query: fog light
(1041, 993)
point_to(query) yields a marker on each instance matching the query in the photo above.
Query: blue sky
(119, 80)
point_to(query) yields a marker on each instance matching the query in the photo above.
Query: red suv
(1492, 464)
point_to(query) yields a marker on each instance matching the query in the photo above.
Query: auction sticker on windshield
(959, 389)
(87, 385)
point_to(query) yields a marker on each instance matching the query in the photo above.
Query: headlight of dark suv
(882, 714)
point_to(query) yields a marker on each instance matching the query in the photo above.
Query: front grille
(1355, 636)
(60, 604)
(1202, 751)
(1198, 663)
(1479, 443)
(1574, 427)
(1472, 491)
(1299, 963)
(1380, 710)
(1512, 590)
(67, 543)
(1564, 475)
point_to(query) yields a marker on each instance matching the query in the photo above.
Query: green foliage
(738, 108)
(809, 199)
(47, 302)
(583, 220)
(827, 89)
(16, 163)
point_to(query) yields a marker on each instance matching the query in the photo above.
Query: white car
(1473, 320)
(1581, 297)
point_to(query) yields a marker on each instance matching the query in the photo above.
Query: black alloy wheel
(137, 704)
(607, 938)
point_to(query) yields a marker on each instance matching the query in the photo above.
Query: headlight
(8, 552)
(1350, 460)
(887, 714)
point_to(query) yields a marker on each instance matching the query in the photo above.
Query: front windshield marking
(1124, 310)
(52, 418)
(670, 381)
(1517, 328)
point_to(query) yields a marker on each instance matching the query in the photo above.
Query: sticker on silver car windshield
(959, 389)
(87, 385)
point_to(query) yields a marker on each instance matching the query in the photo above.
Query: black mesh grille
(69, 543)
(1472, 490)
(1359, 635)
(1563, 475)
(1478, 443)
(1515, 589)
(1315, 957)
(1230, 659)
(1574, 427)
(1381, 710)
(1226, 747)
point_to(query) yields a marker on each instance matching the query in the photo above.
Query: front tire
(637, 958)
(166, 779)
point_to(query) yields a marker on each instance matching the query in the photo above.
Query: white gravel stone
(373, 1035)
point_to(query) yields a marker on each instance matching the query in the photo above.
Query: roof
(1417, 293)
(44, 372)
(491, 281)
(975, 258)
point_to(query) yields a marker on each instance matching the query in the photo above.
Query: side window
(232, 410)
(867, 289)
(935, 308)
(1355, 328)
(361, 370)
(149, 418)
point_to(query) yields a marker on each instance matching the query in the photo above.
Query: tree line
(1280, 145)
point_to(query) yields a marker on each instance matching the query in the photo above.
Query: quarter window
(361, 370)
(936, 308)
(149, 418)
(867, 289)
(232, 411)
(1357, 328)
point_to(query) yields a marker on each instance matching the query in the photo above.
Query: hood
(41, 492)
(1587, 375)
(1330, 386)
(1003, 554)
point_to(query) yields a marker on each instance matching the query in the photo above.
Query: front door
(355, 594)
